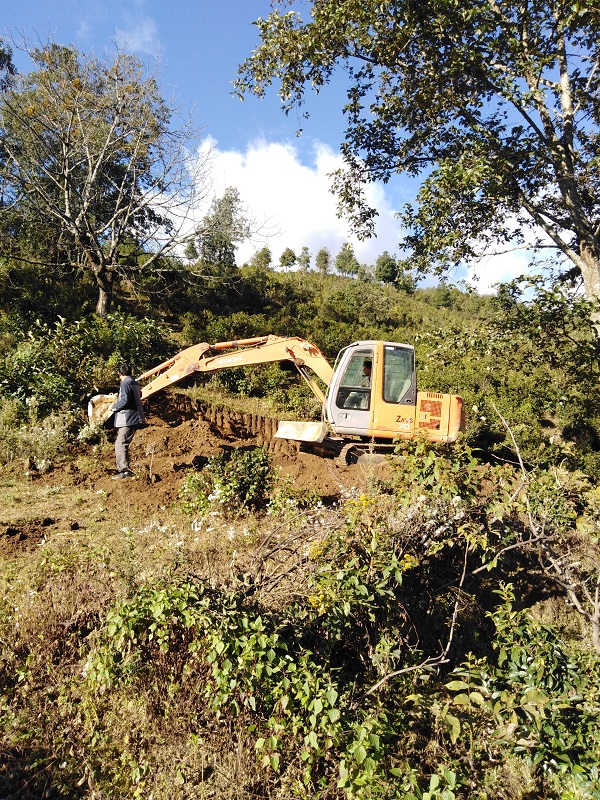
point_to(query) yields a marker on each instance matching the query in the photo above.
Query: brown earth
(80, 495)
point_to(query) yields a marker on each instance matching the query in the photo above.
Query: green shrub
(287, 500)
(539, 700)
(60, 364)
(13, 412)
(279, 384)
(229, 484)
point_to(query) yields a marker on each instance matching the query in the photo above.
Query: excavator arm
(306, 357)
(241, 353)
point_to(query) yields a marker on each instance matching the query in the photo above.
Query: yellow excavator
(370, 396)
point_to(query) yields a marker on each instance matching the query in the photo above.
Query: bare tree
(98, 174)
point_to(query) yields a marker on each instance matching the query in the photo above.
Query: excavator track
(364, 453)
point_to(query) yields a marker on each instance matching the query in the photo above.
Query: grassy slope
(154, 712)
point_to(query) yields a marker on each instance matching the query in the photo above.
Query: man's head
(367, 367)
(125, 370)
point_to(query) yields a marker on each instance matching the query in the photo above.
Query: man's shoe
(127, 473)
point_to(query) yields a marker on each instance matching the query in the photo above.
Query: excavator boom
(239, 353)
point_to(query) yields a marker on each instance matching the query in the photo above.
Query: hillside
(244, 619)
(157, 642)
(181, 436)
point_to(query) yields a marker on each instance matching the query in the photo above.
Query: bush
(23, 434)
(539, 700)
(59, 365)
(241, 481)
(279, 384)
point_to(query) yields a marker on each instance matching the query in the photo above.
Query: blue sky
(198, 45)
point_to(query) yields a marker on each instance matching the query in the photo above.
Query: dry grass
(55, 594)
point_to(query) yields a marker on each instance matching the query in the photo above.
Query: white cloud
(495, 269)
(293, 206)
(292, 202)
(502, 267)
(140, 36)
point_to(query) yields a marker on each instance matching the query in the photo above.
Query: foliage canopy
(495, 105)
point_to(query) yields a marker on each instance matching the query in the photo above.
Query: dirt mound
(22, 537)
(182, 434)
(185, 436)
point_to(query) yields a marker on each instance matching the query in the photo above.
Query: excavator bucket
(301, 431)
(100, 408)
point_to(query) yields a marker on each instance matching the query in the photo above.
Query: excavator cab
(373, 389)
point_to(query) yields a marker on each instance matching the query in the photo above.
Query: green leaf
(360, 754)
(534, 697)
(455, 686)
(453, 725)
(461, 700)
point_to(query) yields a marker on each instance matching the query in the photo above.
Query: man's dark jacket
(128, 408)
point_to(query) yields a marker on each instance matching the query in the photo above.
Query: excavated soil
(182, 434)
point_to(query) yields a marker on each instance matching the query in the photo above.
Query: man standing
(129, 416)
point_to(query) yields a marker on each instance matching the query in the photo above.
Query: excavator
(370, 397)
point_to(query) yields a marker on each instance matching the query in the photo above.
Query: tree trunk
(105, 291)
(589, 264)
(590, 272)
(596, 631)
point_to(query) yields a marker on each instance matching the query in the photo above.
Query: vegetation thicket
(433, 634)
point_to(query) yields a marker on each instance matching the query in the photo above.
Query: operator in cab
(367, 367)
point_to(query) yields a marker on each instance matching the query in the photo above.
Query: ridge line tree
(323, 260)
(304, 259)
(262, 258)
(346, 262)
(287, 259)
(223, 228)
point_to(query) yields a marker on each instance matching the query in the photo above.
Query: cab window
(355, 386)
(398, 370)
